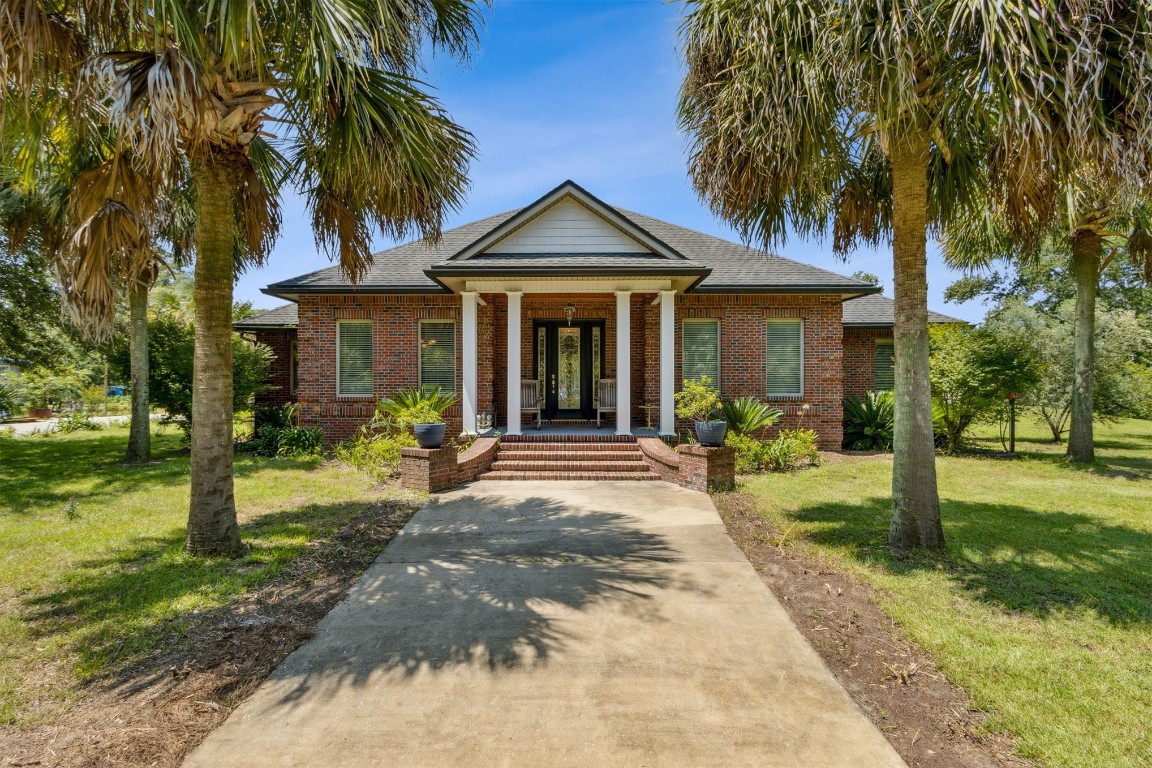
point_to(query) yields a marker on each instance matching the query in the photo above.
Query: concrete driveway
(554, 624)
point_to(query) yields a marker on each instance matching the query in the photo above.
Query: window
(702, 350)
(885, 364)
(438, 354)
(354, 357)
(786, 357)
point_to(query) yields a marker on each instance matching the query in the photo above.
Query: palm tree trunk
(139, 430)
(915, 500)
(212, 526)
(1087, 248)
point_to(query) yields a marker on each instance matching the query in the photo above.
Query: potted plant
(699, 401)
(421, 408)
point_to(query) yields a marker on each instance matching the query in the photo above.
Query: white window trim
(719, 344)
(372, 336)
(786, 396)
(420, 348)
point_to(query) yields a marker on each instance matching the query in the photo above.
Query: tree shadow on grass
(120, 606)
(34, 470)
(1020, 559)
(478, 582)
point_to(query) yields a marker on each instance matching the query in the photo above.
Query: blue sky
(583, 90)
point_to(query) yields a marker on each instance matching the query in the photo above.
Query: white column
(667, 362)
(513, 362)
(623, 362)
(468, 357)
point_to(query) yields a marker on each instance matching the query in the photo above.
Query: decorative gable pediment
(567, 220)
(566, 226)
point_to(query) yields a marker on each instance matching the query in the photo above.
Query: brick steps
(500, 475)
(511, 454)
(570, 457)
(502, 464)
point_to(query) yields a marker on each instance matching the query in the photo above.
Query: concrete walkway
(554, 624)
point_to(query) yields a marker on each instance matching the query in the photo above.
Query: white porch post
(514, 362)
(468, 358)
(623, 362)
(667, 362)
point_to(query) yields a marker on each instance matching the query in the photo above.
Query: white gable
(567, 227)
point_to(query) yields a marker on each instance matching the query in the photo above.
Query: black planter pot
(429, 435)
(711, 432)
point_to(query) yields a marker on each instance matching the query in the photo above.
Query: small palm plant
(868, 422)
(747, 415)
(421, 408)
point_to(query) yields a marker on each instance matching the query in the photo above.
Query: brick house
(572, 311)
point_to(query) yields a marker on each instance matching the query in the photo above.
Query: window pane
(702, 350)
(438, 355)
(885, 365)
(785, 357)
(354, 357)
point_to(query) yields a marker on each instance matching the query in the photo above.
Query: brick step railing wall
(569, 457)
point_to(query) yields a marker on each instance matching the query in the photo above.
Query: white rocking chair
(606, 392)
(530, 399)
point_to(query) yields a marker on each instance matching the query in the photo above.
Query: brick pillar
(704, 468)
(428, 469)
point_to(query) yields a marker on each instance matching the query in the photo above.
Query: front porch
(567, 360)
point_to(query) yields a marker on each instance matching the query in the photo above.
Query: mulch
(155, 711)
(928, 720)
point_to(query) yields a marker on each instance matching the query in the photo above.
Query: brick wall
(743, 367)
(860, 359)
(744, 350)
(279, 380)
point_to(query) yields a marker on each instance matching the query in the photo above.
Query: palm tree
(1091, 223)
(251, 96)
(877, 120)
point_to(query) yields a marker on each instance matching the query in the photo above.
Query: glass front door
(567, 362)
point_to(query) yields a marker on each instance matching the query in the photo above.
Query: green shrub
(698, 400)
(789, 450)
(9, 401)
(377, 453)
(747, 415)
(868, 422)
(76, 421)
(297, 442)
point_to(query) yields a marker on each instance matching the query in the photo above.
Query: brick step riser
(569, 466)
(569, 456)
(566, 439)
(568, 446)
(519, 475)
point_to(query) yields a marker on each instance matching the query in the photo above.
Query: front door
(568, 360)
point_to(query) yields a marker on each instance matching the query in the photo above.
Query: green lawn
(92, 572)
(1042, 606)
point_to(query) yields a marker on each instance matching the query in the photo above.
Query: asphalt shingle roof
(876, 310)
(735, 267)
(285, 316)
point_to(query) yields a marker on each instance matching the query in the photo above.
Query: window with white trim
(701, 350)
(785, 357)
(438, 354)
(354, 357)
(885, 365)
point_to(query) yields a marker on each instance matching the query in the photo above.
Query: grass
(92, 571)
(1041, 607)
